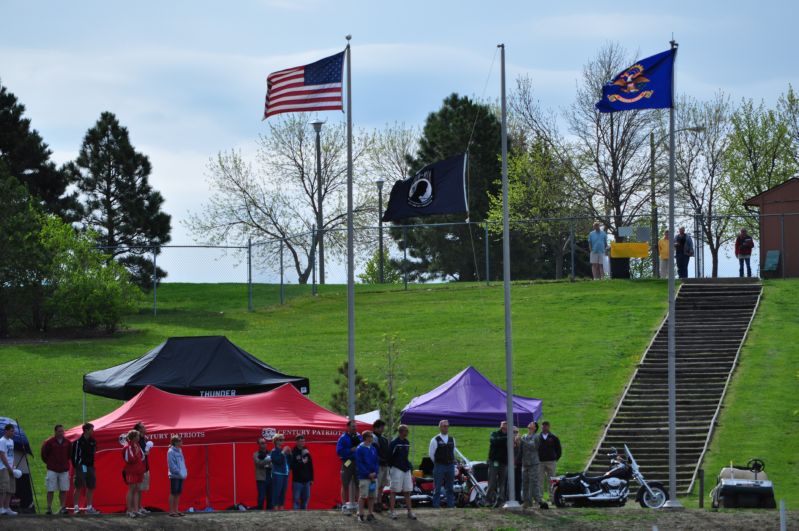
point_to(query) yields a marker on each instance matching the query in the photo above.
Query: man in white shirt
(442, 452)
(7, 480)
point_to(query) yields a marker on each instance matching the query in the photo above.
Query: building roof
(753, 201)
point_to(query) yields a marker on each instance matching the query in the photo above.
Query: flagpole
(350, 251)
(673, 502)
(511, 497)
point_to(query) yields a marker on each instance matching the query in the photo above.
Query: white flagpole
(673, 502)
(350, 251)
(511, 502)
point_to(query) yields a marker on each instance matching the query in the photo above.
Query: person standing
(176, 465)
(497, 466)
(146, 444)
(400, 471)
(280, 472)
(55, 456)
(263, 475)
(133, 471)
(743, 252)
(8, 482)
(381, 445)
(531, 490)
(549, 453)
(442, 452)
(663, 255)
(367, 464)
(301, 474)
(598, 245)
(345, 448)
(683, 251)
(82, 458)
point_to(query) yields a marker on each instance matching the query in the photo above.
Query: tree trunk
(558, 264)
(714, 258)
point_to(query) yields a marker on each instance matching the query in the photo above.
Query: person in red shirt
(133, 471)
(55, 456)
(743, 252)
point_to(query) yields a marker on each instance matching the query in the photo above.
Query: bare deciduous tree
(276, 199)
(611, 150)
(700, 148)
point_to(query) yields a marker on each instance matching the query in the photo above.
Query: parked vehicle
(740, 486)
(611, 488)
(469, 491)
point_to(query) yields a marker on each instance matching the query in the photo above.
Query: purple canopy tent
(469, 399)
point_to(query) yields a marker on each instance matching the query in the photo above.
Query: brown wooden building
(779, 227)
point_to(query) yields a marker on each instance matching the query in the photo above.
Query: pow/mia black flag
(438, 188)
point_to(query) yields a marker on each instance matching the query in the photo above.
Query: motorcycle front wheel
(656, 500)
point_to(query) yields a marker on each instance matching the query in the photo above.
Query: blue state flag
(438, 188)
(645, 85)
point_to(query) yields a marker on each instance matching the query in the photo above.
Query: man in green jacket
(498, 466)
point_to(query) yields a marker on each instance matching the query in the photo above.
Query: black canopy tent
(204, 366)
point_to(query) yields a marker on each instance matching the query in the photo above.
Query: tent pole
(234, 475)
(207, 481)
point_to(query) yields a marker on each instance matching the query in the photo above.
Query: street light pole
(379, 184)
(655, 250)
(317, 126)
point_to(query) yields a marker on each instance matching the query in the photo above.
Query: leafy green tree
(27, 158)
(369, 395)
(20, 222)
(85, 288)
(120, 206)
(788, 107)
(452, 252)
(539, 189)
(759, 155)
(371, 273)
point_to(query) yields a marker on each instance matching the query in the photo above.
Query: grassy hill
(575, 345)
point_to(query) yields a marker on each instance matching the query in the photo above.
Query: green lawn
(760, 417)
(575, 345)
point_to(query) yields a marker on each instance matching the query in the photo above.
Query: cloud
(615, 26)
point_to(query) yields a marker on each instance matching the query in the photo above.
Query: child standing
(177, 474)
(133, 471)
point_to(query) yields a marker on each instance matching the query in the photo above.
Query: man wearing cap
(400, 471)
(8, 481)
(55, 456)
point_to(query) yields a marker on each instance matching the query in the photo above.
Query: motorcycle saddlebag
(570, 484)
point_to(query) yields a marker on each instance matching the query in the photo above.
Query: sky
(188, 77)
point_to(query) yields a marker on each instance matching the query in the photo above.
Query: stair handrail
(713, 421)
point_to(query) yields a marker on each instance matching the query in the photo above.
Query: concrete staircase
(712, 320)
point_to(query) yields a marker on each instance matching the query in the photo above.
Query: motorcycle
(611, 488)
(468, 490)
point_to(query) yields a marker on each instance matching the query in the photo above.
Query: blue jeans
(741, 262)
(682, 265)
(443, 476)
(279, 484)
(264, 493)
(302, 494)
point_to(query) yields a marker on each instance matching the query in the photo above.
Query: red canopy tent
(219, 439)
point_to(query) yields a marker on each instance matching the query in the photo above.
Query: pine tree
(452, 252)
(119, 203)
(27, 159)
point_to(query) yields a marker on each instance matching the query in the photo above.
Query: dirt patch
(588, 519)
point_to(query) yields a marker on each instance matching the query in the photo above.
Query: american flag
(313, 87)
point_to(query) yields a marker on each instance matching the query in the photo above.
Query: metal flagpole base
(512, 505)
(674, 505)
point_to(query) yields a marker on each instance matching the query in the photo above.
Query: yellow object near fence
(629, 250)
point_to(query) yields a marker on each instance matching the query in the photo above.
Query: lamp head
(317, 125)
(379, 184)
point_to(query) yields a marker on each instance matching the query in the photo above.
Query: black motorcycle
(611, 488)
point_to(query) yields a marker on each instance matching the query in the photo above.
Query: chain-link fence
(271, 271)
